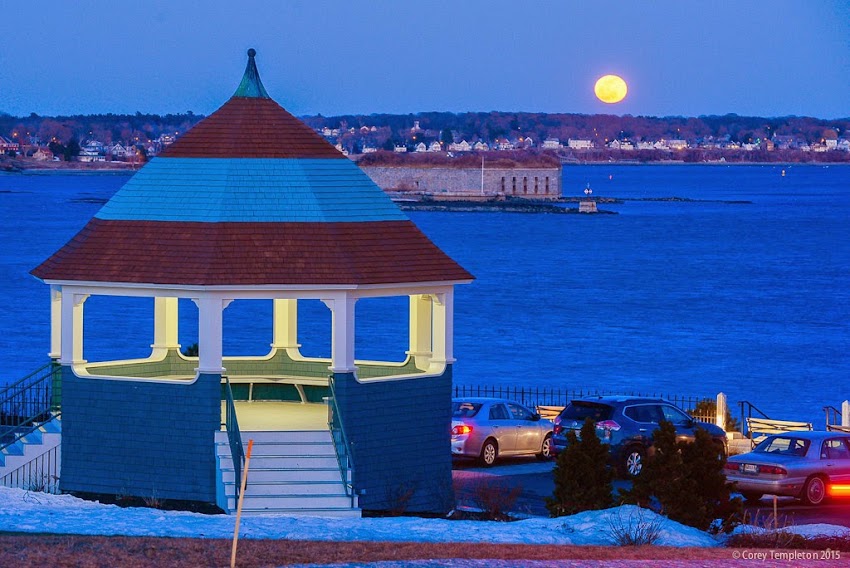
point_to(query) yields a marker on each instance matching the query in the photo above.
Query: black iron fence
(700, 407)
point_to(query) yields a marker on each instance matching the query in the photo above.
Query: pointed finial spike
(251, 86)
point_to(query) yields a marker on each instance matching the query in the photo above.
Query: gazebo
(252, 204)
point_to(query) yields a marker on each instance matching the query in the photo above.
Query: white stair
(32, 461)
(290, 472)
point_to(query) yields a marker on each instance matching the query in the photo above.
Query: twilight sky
(751, 57)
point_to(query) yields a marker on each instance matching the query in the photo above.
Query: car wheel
(751, 497)
(633, 461)
(546, 448)
(814, 491)
(489, 452)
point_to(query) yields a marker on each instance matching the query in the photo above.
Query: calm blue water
(751, 299)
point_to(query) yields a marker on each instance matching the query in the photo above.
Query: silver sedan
(806, 465)
(487, 428)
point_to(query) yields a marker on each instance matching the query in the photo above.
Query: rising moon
(610, 89)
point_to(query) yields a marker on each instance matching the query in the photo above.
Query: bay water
(741, 286)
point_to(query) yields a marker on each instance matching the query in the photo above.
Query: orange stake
(239, 504)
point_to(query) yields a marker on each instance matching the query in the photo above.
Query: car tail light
(839, 490)
(772, 469)
(557, 429)
(461, 429)
(607, 426)
(732, 466)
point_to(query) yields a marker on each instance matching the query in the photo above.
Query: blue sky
(762, 57)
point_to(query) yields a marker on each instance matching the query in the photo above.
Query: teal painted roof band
(218, 190)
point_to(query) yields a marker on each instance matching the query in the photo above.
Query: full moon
(610, 89)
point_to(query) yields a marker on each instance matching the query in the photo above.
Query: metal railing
(31, 401)
(40, 474)
(234, 436)
(342, 447)
(543, 396)
(747, 409)
(833, 416)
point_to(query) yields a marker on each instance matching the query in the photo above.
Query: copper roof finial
(251, 86)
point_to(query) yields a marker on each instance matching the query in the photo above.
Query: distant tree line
(385, 131)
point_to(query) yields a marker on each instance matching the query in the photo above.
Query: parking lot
(533, 480)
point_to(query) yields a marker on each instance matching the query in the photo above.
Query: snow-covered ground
(22, 511)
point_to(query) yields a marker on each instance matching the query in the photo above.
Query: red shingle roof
(220, 254)
(250, 127)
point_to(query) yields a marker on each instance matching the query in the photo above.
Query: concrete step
(300, 436)
(297, 503)
(287, 488)
(260, 475)
(336, 512)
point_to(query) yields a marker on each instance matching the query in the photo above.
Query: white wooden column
(443, 328)
(420, 330)
(342, 333)
(55, 322)
(165, 318)
(210, 333)
(285, 326)
(71, 348)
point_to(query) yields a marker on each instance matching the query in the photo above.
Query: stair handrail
(29, 402)
(833, 416)
(342, 447)
(750, 407)
(234, 436)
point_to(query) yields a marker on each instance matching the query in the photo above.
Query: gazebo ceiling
(250, 196)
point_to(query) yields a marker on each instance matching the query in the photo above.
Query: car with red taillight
(807, 465)
(488, 428)
(627, 425)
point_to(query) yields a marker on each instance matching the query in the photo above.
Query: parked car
(795, 464)
(489, 428)
(627, 424)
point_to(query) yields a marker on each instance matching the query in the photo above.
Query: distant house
(166, 139)
(435, 147)
(480, 146)
(551, 144)
(119, 151)
(421, 147)
(843, 145)
(644, 145)
(677, 144)
(369, 149)
(400, 149)
(7, 145)
(579, 144)
(621, 145)
(43, 155)
(462, 146)
(504, 144)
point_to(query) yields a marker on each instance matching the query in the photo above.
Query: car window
(580, 410)
(465, 409)
(835, 449)
(674, 415)
(788, 445)
(647, 413)
(520, 412)
(499, 412)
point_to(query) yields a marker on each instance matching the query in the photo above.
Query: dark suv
(627, 425)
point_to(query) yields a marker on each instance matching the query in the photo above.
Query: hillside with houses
(100, 140)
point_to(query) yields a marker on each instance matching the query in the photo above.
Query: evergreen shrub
(686, 481)
(583, 480)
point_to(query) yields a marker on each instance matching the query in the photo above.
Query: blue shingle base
(140, 439)
(400, 433)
